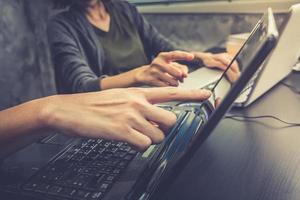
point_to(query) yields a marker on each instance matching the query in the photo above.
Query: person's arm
(71, 66)
(120, 114)
(163, 71)
(21, 119)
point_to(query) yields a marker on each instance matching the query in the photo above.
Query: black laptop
(61, 168)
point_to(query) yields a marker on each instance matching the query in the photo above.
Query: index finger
(159, 95)
(177, 55)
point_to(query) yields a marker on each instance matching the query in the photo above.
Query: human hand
(119, 114)
(164, 70)
(220, 61)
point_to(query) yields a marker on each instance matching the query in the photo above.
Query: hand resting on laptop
(119, 114)
(220, 61)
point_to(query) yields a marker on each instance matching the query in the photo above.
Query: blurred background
(26, 71)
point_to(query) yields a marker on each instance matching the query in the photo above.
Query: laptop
(62, 168)
(276, 67)
(280, 62)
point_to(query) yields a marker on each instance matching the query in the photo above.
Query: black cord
(294, 89)
(240, 118)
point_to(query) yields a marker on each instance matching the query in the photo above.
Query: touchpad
(58, 139)
(23, 164)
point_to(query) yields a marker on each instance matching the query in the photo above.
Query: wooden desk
(248, 160)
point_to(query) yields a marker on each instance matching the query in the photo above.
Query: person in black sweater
(104, 44)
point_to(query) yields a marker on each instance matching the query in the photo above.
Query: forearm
(22, 119)
(124, 80)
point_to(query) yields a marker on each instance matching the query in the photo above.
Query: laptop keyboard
(86, 171)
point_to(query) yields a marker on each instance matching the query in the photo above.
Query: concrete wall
(204, 31)
(25, 68)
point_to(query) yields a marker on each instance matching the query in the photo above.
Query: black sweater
(78, 55)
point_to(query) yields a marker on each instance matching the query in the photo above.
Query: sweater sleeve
(73, 73)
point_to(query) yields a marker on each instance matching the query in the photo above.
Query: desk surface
(248, 160)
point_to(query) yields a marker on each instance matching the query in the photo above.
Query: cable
(294, 89)
(239, 118)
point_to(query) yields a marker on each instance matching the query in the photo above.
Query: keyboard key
(96, 195)
(86, 170)
(55, 189)
(116, 171)
(43, 188)
(30, 186)
(81, 180)
(95, 182)
(72, 193)
(110, 178)
(66, 192)
(82, 194)
(104, 187)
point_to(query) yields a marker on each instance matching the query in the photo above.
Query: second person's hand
(164, 70)
(220, 61)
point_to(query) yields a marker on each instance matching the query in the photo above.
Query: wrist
(139, 75)
(124, 80)
(46, 111)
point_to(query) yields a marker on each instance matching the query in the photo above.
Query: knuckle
(154, 80)
(125, 128)
(136, 104)
(154, 71)
(162, 54)
(157, 67)
(129, 115)
(154, 62)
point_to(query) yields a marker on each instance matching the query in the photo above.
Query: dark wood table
(248, 160)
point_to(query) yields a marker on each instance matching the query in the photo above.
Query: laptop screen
(179, 150)
(244, 57)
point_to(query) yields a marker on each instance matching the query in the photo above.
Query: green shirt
(123, 49)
